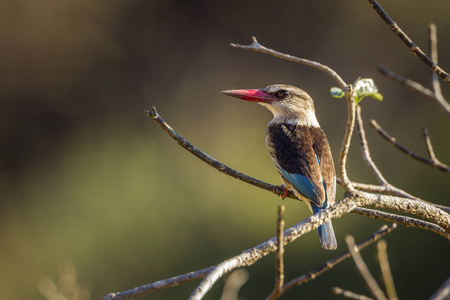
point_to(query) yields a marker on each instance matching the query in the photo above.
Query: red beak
(250, 95)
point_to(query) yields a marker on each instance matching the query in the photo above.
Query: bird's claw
(285, 191)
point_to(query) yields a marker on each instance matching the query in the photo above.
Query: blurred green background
(87, 178)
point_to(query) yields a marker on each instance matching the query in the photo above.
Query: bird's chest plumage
(291, 145)
(302, 150)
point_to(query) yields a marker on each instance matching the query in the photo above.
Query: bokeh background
(86, 178)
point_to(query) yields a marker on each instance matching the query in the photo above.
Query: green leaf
(336, 92)
(363, 88)
(366, 87)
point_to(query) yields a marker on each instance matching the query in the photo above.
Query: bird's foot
(285, 191)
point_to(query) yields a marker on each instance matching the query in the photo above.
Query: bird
(299, 149)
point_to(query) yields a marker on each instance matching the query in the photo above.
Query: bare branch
(257, 47)
(408, 221)
(393, 141)
(418, 208)
(413, 47)
(341, 257)
(434, 57)
(159, 285)
(386, 270)
(279, 279)
(443, 292)
(345, 147)
(372, 285)
(250, 256)
(438, 98)
(371, 164)
(153, 114)
(427, 139)
(348, 294)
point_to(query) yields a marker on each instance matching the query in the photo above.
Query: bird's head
(284, 101)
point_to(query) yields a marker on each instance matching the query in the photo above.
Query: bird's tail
(327, 237)
(326, 232)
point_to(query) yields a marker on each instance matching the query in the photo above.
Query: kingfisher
(299, 149)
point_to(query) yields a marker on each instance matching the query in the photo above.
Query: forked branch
(408, 42)
(432, 161)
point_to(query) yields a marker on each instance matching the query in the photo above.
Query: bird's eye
(282, 94)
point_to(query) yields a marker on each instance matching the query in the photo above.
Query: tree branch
(159, 285)
(408, 42)
(393, 141)
(257, 47)
(348, 294)
(153, 114)
(371, 164)
(279, 279)
(341, 257)
(250, 256)
(435, 96)
(418, 208)
(372, 285)
(386, 270)
(408, 221)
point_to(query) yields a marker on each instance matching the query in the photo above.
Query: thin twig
(413, 47)
(153, 114)
(257, 47)
(443, 292)
(388, 279)
(427, 139)
(434, 77)
(341, 257)
(348, 294)
(345, 146)
(159, 285)
(372, 285)
(365, 148)
(407, 221)
(393, 141)
(370, 163)
(279, 279)
(438, 98)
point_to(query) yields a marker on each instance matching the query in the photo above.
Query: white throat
(304, 117)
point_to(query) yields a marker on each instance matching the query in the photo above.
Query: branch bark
(408, 42)
(435, 163)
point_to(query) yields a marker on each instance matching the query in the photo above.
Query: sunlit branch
(407, 221)
(393, 141)
(409, 43)
(341, 257)
(372, 285)
(435, 96)
(348, 294)
(279, 279)
(388, 279)
(370, 163)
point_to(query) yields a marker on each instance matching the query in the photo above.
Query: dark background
(87, 178)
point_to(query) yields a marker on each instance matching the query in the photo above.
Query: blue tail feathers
(326, 232)
(327, 237)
